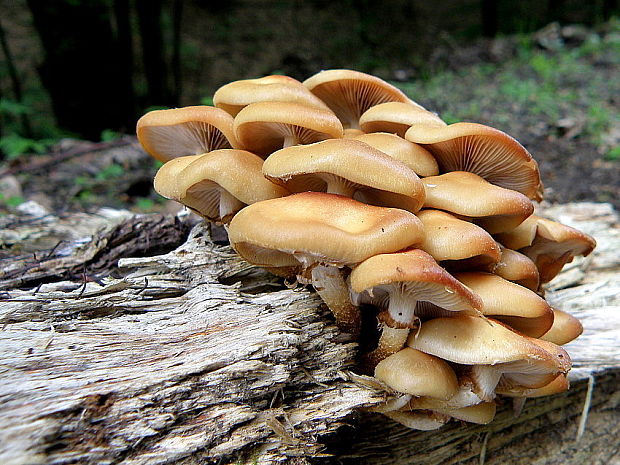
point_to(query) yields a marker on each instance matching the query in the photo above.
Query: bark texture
(197, 357)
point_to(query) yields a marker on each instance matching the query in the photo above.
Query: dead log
(197, 357)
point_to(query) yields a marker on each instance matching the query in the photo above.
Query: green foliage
(145, 204)
(207, 101)
(108, 135)
(12, 201)
(110, 172)
(14, 145)
(613, 154)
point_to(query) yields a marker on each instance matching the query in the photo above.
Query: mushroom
(494, 208)
(516, 267)
(414, 156)
(350, 93)
(559, 384)
(167, 134)
(490, 351)
(549, 244)
(397, 118)
(396, 282)
(457, 244)
(515, 305)
(235, 96)
(264, 127)
(218, 184)
(565, 328)
(483, 150)
(481, 413)
(347, 167)
(291, 233)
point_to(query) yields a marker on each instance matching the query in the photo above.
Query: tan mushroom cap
(515, 305)
(236, 95)
(265, 127)
(269, 233)
(456, 243)
(350, 93)
(481, 414)
(413, 372)
(516, 267)
(549, 244)
(168, 134)
(494, 208)
(397, 118)
(218, 184)
(164, 178)
(472, 340)
(413, 155)
(483, 150)
(347, 167)
(423, 420)
(565, 328)
(399, 280)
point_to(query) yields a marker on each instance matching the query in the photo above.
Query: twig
(586, 408)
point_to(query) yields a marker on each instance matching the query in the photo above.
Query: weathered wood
(196, 357)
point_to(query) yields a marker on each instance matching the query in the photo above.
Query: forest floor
(556, 91)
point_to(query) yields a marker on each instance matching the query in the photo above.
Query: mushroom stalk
(335, 186)
(289, 140)
(331, 286)
(229, 205)
(391, 341)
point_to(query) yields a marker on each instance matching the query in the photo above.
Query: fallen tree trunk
(197, 357)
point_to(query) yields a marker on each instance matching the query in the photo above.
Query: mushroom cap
(413, 155)
(517, 306)
(349, 166)
(549, 244)
(481, 414)
(168, 134)
(416, 274)
(470, 340)
(350, 93)
(565, 328)
(488, 152)
(263, 127)
(423, 420)
(164, 181)
(300, 224)
(236, 95)
(456, 243)
(518, 268)
(397, 118)
(559, 384)
(494, 208)
(413, 372)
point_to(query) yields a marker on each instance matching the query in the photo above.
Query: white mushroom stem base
(391, 341)
(229, 206)
(329, 283)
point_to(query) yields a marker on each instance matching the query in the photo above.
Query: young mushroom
(218, 184)
(397, 118)
(316, 235)
(483, 150)
(346, 167)
(565, 328)
(265, 127)
(168, 134)
(350, 93)
(518, 268)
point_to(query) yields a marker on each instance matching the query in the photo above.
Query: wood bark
(197, 357)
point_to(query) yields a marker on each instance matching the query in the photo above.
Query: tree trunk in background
(489, 17)
(177, 22)
(122, 14)
(80, 71)
(153, 52)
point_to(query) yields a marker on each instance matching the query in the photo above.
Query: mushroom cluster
(424, 229)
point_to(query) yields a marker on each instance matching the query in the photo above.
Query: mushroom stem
(391, 341)
(290, 140)
(335, 186)
(229, 205)
(331, 286)
(401, 308)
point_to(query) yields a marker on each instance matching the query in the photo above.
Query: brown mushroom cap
(559, 384)
(350, 93)
(167, 134)
(457, 244)
(300, 223)
(164, 178)
(516, 267)
(413, 372)
(549, 244)
(413, 155)
(492, 207)
(235, 96)
(218, 184)
(264, 127)
(481, 414)
(397, 118)
(515, 305)
(399, 280)
(480, 149)
(565, 328)
(348, 167)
